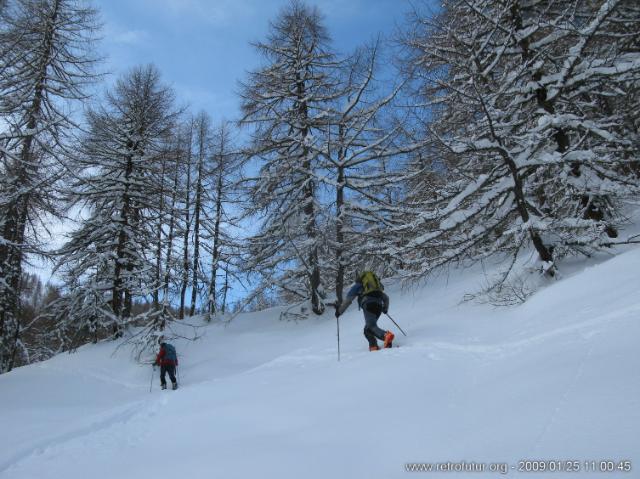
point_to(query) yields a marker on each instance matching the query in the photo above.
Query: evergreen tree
(186, 223)
(46, 61)
(225, 177)
(203, 143)
(167, 264)
(109, 259)
(365, 151)
(527, 156)
(286, 102)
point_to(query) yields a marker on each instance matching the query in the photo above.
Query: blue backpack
(170, 353)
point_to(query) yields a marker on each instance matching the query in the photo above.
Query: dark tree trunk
(120, 304)
(560, 137)
(216, 242)
(309, 210)
(187, 228)
(11, 253)
(196, 228)
(340, 236)
(225, 289)
(158, 272)
(518, 191)
(172, 221)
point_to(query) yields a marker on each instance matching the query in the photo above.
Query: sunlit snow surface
(555, 379)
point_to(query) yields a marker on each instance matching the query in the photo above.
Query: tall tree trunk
(187, 228)
(172, 221)
(560, 137)
(158, 272)
(309, 209)
(11, 253)
(340, 236)
(521, 202)
(196, 228)
(120, 302)
(216, 242)
(225, 290)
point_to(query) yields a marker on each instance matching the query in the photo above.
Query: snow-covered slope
(555, 379)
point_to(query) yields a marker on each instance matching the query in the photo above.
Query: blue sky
(202, 47)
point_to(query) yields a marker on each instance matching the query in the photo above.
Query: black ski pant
(169, 368)
(372, 311)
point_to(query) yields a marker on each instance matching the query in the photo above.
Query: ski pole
(153, 373)
(338, 325)
(395, 324)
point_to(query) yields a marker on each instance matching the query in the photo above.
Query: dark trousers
(372, 311)
(169, 368)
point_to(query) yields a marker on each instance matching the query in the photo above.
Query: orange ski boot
(388, 339)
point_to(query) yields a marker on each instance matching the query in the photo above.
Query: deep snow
(556, 379)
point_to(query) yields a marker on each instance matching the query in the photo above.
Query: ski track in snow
(563, 400)
(44, 446)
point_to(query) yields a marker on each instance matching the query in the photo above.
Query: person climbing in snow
(373, 301)
(167, 359)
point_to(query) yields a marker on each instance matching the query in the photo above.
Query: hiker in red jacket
(167, 359)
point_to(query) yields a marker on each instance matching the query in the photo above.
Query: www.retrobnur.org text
(525, 465)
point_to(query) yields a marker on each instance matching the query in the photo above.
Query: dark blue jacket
(356, 292)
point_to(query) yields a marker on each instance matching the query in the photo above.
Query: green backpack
(370, 283)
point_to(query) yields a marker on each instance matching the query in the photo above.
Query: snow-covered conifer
(109, 259)
(46, 61)
(285, 102)
(224, 192)
(527, 152)
(365, 152)
(203, 156)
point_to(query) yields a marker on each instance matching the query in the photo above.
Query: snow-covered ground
(555, 379)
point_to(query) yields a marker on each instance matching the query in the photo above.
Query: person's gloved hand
(337, 313)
